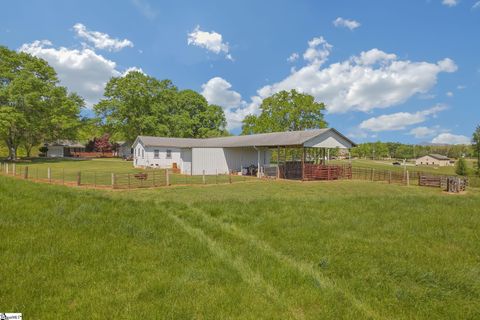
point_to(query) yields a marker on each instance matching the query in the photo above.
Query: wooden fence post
(94, 179)
(167, 178)
(6, 168)
(203, 176)
(153, 182)
(389, 177)
(230, 177)
(216, 176)
(49, 174)
(63, 175)
(79, 178)
(113, 180)
(25, 173)
(373, 174)
(14, 169)
(408, 178)
(128, 176)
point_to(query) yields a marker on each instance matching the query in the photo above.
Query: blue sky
(405, 71)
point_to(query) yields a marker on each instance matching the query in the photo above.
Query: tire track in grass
(303, 267)
(246, 273)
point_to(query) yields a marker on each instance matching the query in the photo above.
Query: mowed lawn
(254, 250)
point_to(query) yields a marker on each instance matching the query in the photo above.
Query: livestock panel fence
(152, 178)
(115, 180)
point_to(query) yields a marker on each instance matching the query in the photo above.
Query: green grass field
(254, 250)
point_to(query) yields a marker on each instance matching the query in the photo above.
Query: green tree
(138, 104)
(461, 167)
(192, 116)
(33, 108)
(286, 111)
(476, 146)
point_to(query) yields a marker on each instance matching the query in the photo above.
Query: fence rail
(115, 180)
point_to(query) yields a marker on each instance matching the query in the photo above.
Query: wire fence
(165, 177)
(116, 180)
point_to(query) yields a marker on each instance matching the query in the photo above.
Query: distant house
(64, 148)
(124, 149)
(434, 160)
(229, 154)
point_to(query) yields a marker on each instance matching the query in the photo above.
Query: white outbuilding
(434, 160)
(229, 154)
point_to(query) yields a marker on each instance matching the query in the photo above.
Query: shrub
(461, 167)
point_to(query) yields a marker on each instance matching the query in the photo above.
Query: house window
(169, 154)
(156, 154)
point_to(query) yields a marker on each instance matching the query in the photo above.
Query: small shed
(434, 160)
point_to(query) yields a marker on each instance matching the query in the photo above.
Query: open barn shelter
(288, 155)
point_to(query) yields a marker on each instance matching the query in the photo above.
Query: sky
(388, 70)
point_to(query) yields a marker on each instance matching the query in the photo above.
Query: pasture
(261, 249)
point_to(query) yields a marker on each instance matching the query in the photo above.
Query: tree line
(35, 109)
(396, 150)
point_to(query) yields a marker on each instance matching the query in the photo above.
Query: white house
(63, 148)
(227, 154)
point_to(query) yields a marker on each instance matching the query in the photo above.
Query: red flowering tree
(103, 144)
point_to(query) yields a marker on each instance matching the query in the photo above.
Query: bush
(43, 151)
(461, 167)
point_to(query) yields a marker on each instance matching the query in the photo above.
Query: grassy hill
(275, 250)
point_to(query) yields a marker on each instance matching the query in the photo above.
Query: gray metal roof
(289, 138)
(66, 143)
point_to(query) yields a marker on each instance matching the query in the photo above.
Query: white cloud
(82, 71)
(373, 79)
(449, 138)
(212, 41)
(399, 120)
(131, 69)
(450, 3)
(219, 91)
(346, 23)
(374, 56)
(449, 94)
(423, 132)
(145, 9)
(101, 40)
(293, 57)
(318, 51)
(476, 5)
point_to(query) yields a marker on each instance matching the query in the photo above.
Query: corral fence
(115, 180)
(166, 177)
(444, 182)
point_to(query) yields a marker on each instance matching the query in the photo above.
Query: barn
(249, 154)
(434, 160)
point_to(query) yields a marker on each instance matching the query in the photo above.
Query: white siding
(210, 160)
(329, 140)
(225, 160)
(186, 155)
(238, 158)
(55, 152)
